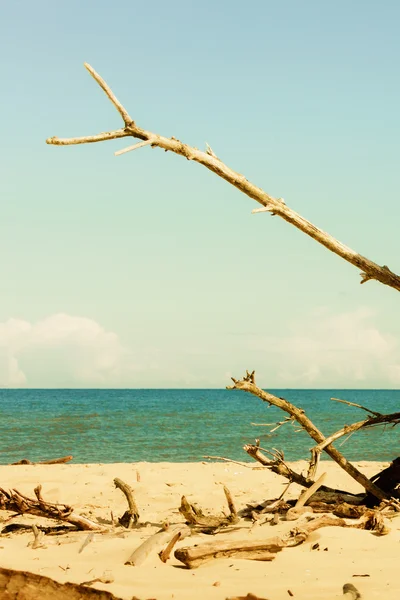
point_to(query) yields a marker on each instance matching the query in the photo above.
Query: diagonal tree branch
(276, 206)
(248, 384)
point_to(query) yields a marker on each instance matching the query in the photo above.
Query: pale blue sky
(146, 270)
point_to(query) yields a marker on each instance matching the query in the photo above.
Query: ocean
(108, 426)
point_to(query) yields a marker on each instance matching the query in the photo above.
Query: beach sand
(308, 574)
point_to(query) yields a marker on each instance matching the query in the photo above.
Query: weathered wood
(196, 517)
(16, 502)
(300, 508)
(264, 549)
(52, 461)
(22, 585)
(166, 553)
(131, 516)
(248, 384)
(251, 549)
(156, 543)
(276, 206)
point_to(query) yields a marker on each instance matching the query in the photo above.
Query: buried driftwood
(130, 516)
(266, 549)
(208, 523)
(156, 543)
(16, 502)
(22, 585)
(52, 461)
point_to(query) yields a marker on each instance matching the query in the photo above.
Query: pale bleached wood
(247, 384)
(156, 543)
(276, 206)
(378, 419)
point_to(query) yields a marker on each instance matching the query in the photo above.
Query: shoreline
(309, 574)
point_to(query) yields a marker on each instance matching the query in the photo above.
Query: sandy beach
(343, 556)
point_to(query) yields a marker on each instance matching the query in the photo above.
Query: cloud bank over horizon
(321, 350)
(61, 350)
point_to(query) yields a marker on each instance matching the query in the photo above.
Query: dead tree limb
(276, 206)
(377, 419)
(16, 502)
(248, 384)
(264, 549)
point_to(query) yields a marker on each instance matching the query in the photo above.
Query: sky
(145, 270)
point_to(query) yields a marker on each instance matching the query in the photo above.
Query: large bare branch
(247, 384)
(276, 206)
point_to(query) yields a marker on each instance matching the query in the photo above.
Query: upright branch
(276, 206)
(248, 384)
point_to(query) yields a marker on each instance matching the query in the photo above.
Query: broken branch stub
(276, 206)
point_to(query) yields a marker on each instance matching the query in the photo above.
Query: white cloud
(331, 350)
(61, 350)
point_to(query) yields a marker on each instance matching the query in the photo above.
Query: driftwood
(131, 516)
(16, 502)
(251, 549)
(206, 523)
(276, 206)
(264, 549)
(52, 461)
(324, 494)
(248, 384)
(18, 585)
(156, 543)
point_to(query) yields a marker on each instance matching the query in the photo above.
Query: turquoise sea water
(179, 425)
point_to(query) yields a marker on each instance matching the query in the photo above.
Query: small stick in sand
(166, 553)
(300, 508)
(87, 541)
(38, 537)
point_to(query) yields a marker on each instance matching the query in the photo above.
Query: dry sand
(308, 574)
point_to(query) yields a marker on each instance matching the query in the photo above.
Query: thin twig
(110, 94)
(377, 414)
(88, 139)
(236, 462)
(134, 147)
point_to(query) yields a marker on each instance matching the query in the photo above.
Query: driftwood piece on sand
(17, 502)
(22, 585)
(264, 549)
(251, 549)
(324, 494)
(156, 543)
(130, 516)
(52, 461)
(195, 516)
